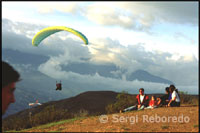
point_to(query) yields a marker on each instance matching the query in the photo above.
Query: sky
(159, 37)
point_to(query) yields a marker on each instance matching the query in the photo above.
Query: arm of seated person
(171, 101)
(139, 105)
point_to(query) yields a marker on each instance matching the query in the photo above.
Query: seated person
(175, 100)
(142, 101)
(164, 100)
(152, 103)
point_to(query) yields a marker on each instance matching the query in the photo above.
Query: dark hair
(9, 74)
(172, 87)
(167, 89)
(141, 89)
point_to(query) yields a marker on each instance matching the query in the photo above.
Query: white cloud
(130, 58)
(142, 15)
(181, 69)
(159, 19)
(97, 81)
(182, 36)
(179, 12)
(49, 7)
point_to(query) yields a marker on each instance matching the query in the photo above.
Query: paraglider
(44, 33)
(58, 86)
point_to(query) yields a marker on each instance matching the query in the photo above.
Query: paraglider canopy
(44, 33)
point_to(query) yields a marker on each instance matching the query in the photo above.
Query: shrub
(47, 115)
(123, 100)
(188, 99)
(81, 113)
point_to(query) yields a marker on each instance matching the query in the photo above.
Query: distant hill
(94, 102)
(19, 57)
(146, 76)
(105, 70)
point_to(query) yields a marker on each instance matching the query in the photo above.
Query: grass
(165, 127)
(50, 124)
(92, 123)
(196, 126)
(125, 128)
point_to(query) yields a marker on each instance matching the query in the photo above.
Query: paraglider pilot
(58, 86)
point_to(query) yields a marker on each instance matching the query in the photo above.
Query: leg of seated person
(130, 108)
(164, 102)
(149, 107)
(174, 104)
(177, 104)
(155, 106)
(142, 107)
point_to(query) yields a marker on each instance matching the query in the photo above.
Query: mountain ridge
(85, 69)
(142, 75)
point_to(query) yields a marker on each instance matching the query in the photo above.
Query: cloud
(149, 14)
(50, 7)
(138, 16)
(107, 14)
(97, 82)
(179, 35)
(179, 12)
(141, 16)
(18, 35)
(129, 58)
(182, 70)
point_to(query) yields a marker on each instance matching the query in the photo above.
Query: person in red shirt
(142, 101)
(152, 103)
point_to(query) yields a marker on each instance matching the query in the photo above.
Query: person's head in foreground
(9, 78)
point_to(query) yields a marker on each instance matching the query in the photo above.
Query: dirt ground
(171, 119)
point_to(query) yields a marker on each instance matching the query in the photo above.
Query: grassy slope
(127, 124)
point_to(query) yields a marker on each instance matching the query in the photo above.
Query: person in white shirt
(175, 101)
(142, 102)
